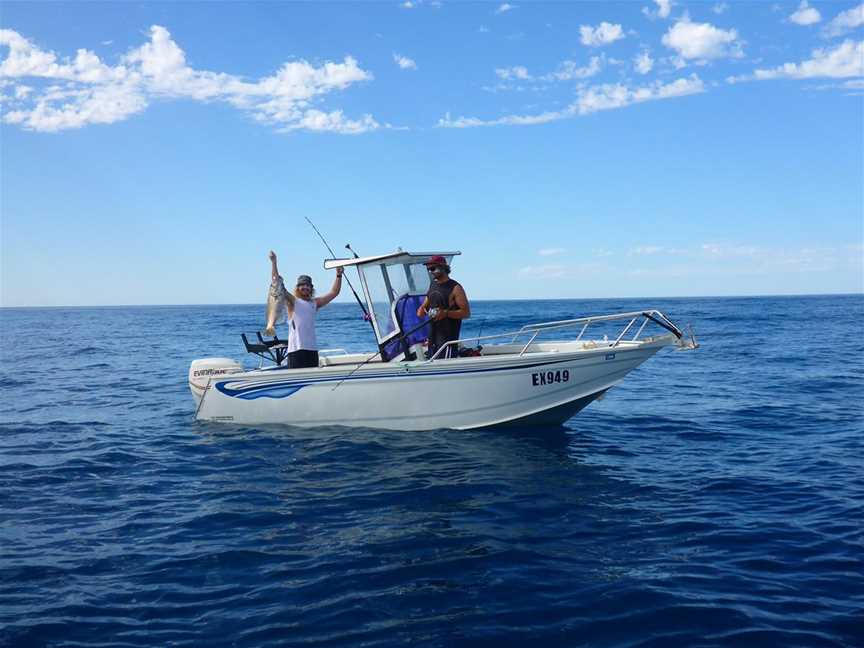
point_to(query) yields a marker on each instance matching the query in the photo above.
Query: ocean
(715, 497)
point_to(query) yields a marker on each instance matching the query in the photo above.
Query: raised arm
(322, 301)
(276, 283)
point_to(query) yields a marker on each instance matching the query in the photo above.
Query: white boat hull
(540, 387)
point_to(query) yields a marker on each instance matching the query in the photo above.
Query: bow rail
(542, 327)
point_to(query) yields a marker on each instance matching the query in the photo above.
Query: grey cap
(304, 279)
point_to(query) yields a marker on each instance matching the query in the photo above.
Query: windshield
(386, 283)
(380, 297)
(410, 278)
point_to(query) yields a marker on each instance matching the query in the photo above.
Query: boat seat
(404, 311)
(275, 349)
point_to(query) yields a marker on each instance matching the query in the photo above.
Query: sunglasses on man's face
(434, 268)
(309, 286)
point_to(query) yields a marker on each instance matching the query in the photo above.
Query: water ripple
(714, 498)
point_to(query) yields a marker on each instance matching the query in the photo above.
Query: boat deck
(337, 357)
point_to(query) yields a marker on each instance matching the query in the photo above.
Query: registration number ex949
(550, 377)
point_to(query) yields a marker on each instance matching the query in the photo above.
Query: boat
(517, 378)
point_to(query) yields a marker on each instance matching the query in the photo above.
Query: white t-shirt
(302, 326)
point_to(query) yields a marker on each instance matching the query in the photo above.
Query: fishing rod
(403, 337)
(333, 254)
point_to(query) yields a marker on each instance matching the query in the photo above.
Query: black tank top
(439, 296)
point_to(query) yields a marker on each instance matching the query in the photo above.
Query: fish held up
(277, 305)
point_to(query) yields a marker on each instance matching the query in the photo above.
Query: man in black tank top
(446, 305)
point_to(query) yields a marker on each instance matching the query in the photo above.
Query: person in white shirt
(302, 306)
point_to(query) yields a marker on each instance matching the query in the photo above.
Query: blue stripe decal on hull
(285, 388)
(270, 390)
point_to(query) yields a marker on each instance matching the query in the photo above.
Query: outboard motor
(201, 371)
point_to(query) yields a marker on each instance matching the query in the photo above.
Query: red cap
(437, 260)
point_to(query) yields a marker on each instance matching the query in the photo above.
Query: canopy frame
(386, 264)
(391, 259)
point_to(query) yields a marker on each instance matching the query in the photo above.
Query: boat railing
(543, 327)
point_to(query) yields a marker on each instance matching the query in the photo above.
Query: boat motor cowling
(201, 371)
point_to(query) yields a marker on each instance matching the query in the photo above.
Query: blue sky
(152, 153)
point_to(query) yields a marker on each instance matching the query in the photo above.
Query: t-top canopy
(387, 259)
(394, 285)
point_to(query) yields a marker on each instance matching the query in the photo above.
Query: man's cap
(437, 260)
(304, 279)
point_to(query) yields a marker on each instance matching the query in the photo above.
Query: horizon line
(539, 299)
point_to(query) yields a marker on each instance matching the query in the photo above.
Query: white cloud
(664, 8)
(555, 251)
(724, 260)
(27, 60)
(715, 258)
(845, 22)
(516, 72)
(335, 121)
(404, 62)
(547, 271)
(483, 29)
(409, 5)
(717, 250)
(589, 100)
(602, 34)
(608, 96)
(60, 110)
(569, 70)
(96, 93)
(504, 8)
(843, 61)
(643, 62)
(720, 8)
(854, 88)
(702, 41)
(805, 15)
(511, 120)
(647, 250)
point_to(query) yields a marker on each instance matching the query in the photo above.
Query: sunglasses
(309, 286)
(434, 268)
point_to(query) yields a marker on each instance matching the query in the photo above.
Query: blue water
(716, 497)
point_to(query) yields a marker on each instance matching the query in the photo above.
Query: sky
(154, 152)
